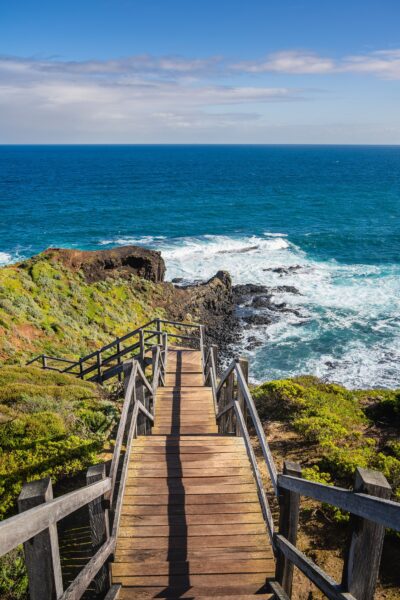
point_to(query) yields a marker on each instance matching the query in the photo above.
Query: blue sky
(174, 71)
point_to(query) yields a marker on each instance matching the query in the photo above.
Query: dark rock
(177, 280)
(253, 342)
(284, 270)
(286, 289)
(258, 319)
(118, 262)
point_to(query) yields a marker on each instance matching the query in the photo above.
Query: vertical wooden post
(119, 360)
(127, 368)
(141, 349)
(80, 369)
(44, 361)
(42, 554)
(361, 567)
(244, 365)
(289, 505)
(99, 366)
(159, 329)
(214, 350)
(99, 526)
(229, 391)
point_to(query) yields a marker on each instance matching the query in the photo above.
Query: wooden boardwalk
(191, 523)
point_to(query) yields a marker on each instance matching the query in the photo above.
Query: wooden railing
(369, 502)
(36, 524)
(107, 362)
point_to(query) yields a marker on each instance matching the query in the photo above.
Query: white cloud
(381, 63)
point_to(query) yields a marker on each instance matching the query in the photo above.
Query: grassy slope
(51, 425)
(46, 307)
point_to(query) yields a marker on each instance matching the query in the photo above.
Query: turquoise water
(332, 212)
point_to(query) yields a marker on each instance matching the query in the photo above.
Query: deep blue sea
(331, 212)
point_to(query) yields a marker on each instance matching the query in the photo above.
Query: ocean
(323, 221)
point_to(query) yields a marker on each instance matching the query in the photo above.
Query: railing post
(165, 348)
(361, 567)
(99, 526)
(119, 358)
(244, 364)
(141, 350)
(159, 329)
(80, 369)
(44, 361)
(214, 350)
(99, 366)
(42, 554)
(229, 391)
(289, 505)
(127, 369)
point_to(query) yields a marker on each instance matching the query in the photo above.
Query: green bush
(334, 422)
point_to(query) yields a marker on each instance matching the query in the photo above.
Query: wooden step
(240, 508)
(216, 565)
(188, 531)
(179, 585)
(198, 593)
(184, 380)
(200, 498)
(153, 555)
(204, 519)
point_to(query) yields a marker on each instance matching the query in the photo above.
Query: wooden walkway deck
(191, 523)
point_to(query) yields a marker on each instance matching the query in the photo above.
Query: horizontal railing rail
(369, 503)
(35, 526)
(106, 362)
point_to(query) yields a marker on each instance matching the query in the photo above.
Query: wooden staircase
(191, 523)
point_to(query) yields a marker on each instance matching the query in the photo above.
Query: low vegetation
(51, 425)
(47, 307)
(341, 429)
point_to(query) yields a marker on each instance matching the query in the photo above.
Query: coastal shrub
(46, 307)
(334, 422)
(50, 425)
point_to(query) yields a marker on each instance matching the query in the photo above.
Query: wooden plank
(222, 508)
(192, 429)
(206, 448)
(192, 460)
(215, 498)
(153, 440)
(20, 528)
(204, 519)
(382, 511)
(196, 567)
(245, 592)
(132, 490)
(167, 471)
(153, 555)
(188, 531)
(203, 581)
(186, 482)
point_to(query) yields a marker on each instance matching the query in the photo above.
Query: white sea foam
(352, 310)
(5, 258)
(347, 325)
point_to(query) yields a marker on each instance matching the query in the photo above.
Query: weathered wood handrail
(100, 365)
(369, 502)
(20, 528)
(31, 524)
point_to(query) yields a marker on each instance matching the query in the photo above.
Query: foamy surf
(342, 325)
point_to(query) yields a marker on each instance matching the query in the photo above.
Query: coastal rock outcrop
(122, 262)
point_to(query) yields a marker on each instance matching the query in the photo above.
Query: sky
(186, 71)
